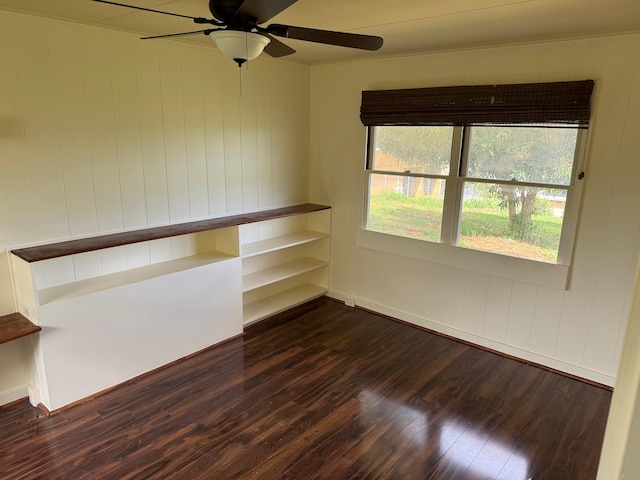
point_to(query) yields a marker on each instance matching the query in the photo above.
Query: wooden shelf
(278, 243)
(14, 326)
(73, 247)
(280, 272)
(280, 302)
(126, 277)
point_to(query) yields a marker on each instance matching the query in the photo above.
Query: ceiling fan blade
(206, 32)
(342, 39)
(263, 10)
(148, 9)
(276, 48)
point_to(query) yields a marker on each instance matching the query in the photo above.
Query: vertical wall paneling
(496, 317)
(126, 105)
(290, 139)
(521, 314)
(527, 64)
(137, 255)
(230, 105)
(431, 291)
(152, 132)
(160, 250)
(264, 108)
(452, 305)
(58, 271)
(16, 193)
(96, 76)
(14, 377)
(249, 133)
(413, 296)
(173, 121)
(609, 298)
(71, 119)
(474, 302)
(214, 133)
(194, 127)
(555, 59)
(586, 59)
(546, 321)
(87, 265)
(113, 260)
(43, 145)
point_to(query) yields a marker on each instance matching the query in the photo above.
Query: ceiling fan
(238, 33)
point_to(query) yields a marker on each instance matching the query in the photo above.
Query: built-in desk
(15, 326)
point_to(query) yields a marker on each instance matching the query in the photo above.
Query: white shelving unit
(104, 322)
(285, 263)
(281, 301)
(278, 273)
(273, 244)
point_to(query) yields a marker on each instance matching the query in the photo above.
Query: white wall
(620, 458)
(102, 132)
(579, 330)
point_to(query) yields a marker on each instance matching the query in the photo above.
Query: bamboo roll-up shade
(532, 103)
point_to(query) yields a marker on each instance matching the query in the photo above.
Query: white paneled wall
(104, 132)
(578, 330)
(101, 132)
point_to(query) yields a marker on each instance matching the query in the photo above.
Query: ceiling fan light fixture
(238, 45)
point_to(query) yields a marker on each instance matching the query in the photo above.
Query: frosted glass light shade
(239, 46)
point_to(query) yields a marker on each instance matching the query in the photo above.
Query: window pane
(414, 149)
(406, 206)
(526, 154)
(523, 222)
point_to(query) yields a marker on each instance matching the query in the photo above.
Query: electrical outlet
(350, 302)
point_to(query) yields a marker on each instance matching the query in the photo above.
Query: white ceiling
(407, 26)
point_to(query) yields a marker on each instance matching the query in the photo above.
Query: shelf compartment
(280, 272)
(127, 277)
(280, 302)
(278, 243)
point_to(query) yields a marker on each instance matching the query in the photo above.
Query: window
(503, 189)
(509, 188)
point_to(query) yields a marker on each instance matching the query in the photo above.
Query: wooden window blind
(532, 103)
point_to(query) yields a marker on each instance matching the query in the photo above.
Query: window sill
(519, 269)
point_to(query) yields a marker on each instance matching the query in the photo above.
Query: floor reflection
(444, 444)
(375, 407)
(480, 455)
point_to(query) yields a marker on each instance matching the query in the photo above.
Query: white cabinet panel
(99, 340)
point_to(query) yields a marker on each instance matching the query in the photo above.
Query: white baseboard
(14, 394)
(509, 350)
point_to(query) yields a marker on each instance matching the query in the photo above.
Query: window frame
(457, 178)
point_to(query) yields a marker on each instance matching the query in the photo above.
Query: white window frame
(447, 252)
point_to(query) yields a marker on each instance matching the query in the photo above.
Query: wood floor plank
(321, 392)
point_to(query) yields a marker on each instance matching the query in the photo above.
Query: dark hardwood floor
(321, 392)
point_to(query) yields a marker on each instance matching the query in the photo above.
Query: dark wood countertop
(72, 247)
(14, 326)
